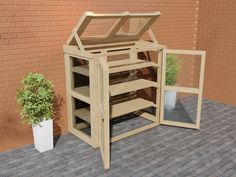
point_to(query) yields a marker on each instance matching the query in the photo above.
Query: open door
(182, 85)
(104, 111)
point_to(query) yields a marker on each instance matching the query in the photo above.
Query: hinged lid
(96, 28)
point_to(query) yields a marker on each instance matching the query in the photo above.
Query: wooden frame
(197, 91)
(97, 94)
(104, 112)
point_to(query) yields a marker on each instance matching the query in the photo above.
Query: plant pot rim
(44, 120)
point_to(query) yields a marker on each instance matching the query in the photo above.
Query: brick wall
(32, 33)
(216, 35)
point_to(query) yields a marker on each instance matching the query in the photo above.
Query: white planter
(43, 136)
(170, 100)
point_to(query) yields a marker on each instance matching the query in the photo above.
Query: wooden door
(182, 86)
(104, 112)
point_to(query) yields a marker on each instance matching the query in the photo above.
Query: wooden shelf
(81, 93)
(130, 106)
(123, 62)
(129, 64)
(131, 86)
(83, 113)
(84, 70)
(118, 109)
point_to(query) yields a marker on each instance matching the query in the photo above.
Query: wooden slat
(105, 40)
(81, 125)
(116, 27)
(84, 90)
(146, 26)
(182, 89)
(120, 52)
(158, 91)
(131, 86)
(123, 45)
(81, 93)
(117, 63)
(118, 15)
(84, 70)
(80, 45)
(109, 44)
(146, 115)
(69, 84)
(199, 106)
(147, 44)
(179, 124)
(83, 136)
(82, 25)
(130, 106)
(83, 113)
(156, 13)
(72, 51)
(152, 36)
(185, 52)
(108, 15)
(132, 67)
(93, 90)
(133, 132)
(114, 48)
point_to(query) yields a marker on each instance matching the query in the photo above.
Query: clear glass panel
(98, 27)
(133, 25)
(180, 107)
(183, 70)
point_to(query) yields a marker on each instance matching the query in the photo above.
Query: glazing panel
(183, 70)
(180, 107)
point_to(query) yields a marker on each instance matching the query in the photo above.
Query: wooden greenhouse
(104, 57)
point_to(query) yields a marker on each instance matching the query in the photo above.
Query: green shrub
(36, 98)
(173, 64)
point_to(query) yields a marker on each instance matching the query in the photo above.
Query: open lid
(96, 28)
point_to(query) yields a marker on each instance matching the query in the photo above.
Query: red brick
(36, 31)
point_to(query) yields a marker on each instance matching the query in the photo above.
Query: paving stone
(161, 152)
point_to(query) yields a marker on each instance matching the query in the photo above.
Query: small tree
(173, 64)
(36, 98)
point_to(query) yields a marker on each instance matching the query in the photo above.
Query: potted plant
(36, 99)
(173, 64)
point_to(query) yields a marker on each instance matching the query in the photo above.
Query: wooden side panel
(93, 83)
(70, 105)
(158, 91)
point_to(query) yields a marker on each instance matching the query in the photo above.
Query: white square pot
(43, 136)
(170, 100)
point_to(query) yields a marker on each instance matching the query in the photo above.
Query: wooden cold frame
(97, 50)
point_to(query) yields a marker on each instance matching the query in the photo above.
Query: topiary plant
(173, 64)
(36, 98)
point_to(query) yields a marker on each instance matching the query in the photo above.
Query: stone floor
(161, 151)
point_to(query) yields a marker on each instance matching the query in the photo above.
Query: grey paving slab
(161, 152)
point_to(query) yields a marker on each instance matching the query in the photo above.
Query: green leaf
(36, 98)
(173, 64)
